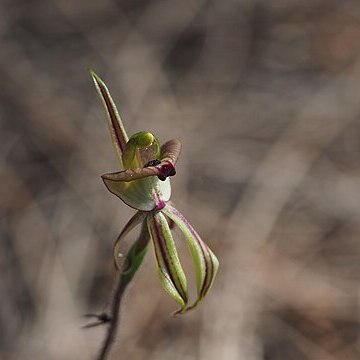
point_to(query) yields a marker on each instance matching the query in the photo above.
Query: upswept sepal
(117, 131)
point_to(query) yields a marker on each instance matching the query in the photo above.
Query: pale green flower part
(144, 185)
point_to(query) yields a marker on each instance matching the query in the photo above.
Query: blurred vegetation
(264, 96)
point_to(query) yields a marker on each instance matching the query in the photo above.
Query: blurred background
(265, 97)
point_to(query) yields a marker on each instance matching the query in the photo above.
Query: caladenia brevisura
(144, 184)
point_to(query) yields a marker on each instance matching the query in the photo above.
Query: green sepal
(135, 255)
(170, 271)
(118, 134)
(137, 219)
(205, 262)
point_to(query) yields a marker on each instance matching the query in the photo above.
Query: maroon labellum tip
(166, 170)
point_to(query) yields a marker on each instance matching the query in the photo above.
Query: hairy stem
(135, 257)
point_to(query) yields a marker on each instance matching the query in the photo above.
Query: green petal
(170, 271)
(116, 127)
(205, 262)
(143, 194)
(133, 222)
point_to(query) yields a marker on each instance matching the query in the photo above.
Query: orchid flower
(144, 185)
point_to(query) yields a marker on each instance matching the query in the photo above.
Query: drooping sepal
(117, 131)
(170, 271)
(205, 262)
(135, 255)
(136, 220)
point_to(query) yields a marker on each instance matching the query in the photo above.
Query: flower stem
(135, 257)
(114, 319)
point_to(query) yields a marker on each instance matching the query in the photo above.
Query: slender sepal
(116, 127)
(170, 271)
(137, 219)
(205, 262)
(136, 255)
